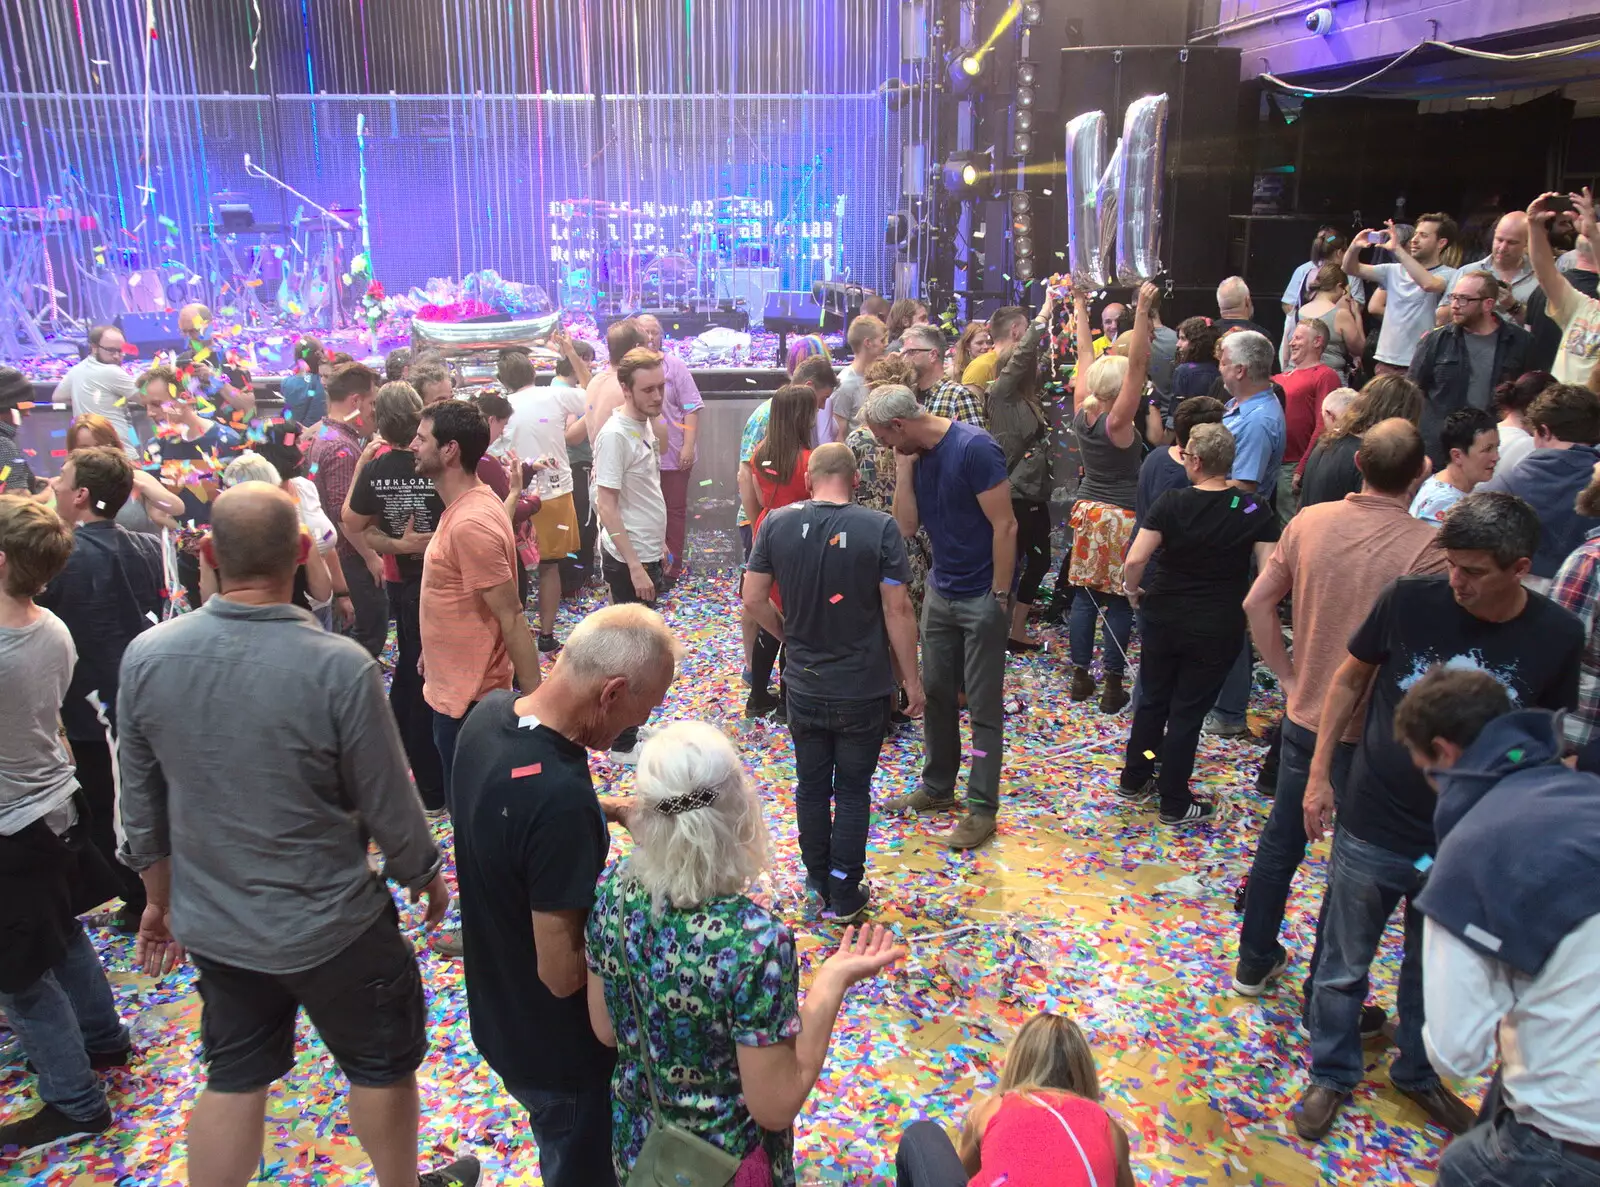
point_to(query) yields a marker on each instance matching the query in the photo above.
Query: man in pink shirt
(1304, 385)
(680, 414)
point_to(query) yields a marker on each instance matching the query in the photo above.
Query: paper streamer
(1140, 174)
(1085, 158)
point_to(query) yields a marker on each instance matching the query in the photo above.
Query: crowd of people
(1408, 480)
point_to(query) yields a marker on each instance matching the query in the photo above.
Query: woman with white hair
(695, 984)
(1106, 395)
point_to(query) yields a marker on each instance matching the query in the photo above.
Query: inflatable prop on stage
(455, 339)
(1114, 203)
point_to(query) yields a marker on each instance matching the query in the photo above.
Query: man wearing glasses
(100, 385)
(1459, 364)
(923, 348)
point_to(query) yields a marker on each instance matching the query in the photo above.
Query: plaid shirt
(1577, 588)
(331, 465)
(957, 402)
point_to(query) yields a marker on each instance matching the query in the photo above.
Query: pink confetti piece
(836, 598)
(524, 772)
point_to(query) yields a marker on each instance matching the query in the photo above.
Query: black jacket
(1440, 369)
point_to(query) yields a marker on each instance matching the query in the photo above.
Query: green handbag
(671, 1156)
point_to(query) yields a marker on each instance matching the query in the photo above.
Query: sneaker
(1252, 980)
(435, 815)
(49, 1126)
(1139, 795)
(974, 829)
(761, 704)
(447, 944)
(1218, 728)
(1315, 1114)
(463, 1172)
(817, 887)
(1082, 686)
(1196, 813)
(1443, 1107)
(849, 905)
(1374, 1019)
(547, 643)
(920, 800)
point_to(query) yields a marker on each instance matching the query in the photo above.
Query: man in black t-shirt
(394, 509)
(841, 571)
(1480, 617)
(531, 842)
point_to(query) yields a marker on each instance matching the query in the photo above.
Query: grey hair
(1317, 326)
(251, 467)
(1212, 446)
(1494, 522)
(929, 336)
(1337, 402)
(890, 403)
(1232, 293)
(1252, 351)
(620, 640)
(720, 848)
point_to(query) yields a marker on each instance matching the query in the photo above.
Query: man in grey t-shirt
(1413, 286)
(869, 339)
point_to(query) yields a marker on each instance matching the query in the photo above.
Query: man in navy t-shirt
(951, 478)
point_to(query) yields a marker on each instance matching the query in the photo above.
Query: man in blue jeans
(841, 571)
(1480, 616)
(1336, 558)
(952, 477)
(1255, 418)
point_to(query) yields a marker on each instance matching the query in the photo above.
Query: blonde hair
(250, 467)
(1050, 1052)
(717, 845)
(1105, 377)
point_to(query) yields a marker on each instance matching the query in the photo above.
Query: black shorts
(366, 1004)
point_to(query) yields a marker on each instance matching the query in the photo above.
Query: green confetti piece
(1235, 502)
(1515, 755)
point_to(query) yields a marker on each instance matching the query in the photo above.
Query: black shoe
(1373, 1021)
(1251, 980)
(463, 1172)
(1138, 795)
(98, 1060)
(818, 887)
(849, 904)
(1196, 813)
(1443, 1107)
(761, 704)
(547, 643)
(49, 1126)
(1023, 646)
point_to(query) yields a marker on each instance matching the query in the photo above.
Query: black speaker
(1202, 88)
(794, 312)
(148, 333)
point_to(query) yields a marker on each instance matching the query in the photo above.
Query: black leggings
(768, 650)
(1033, 547)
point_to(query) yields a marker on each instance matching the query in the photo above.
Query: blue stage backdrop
(603, 149)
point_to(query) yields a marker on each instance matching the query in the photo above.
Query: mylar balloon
(1108, 200)
(1086, 153)
(1139, 185)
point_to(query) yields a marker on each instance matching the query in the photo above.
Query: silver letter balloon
(1139, 190)
(1086, 156)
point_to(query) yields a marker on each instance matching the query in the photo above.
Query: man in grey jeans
(951, 477)
(253, 849)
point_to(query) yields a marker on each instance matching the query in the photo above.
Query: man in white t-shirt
(543, 421)
(627, 478)
(1578, 316)
(98, 384)
(1413, 286)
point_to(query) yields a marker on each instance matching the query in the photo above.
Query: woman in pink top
(1044, 1125)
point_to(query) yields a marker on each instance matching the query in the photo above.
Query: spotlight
(1021, 202)
(1025, 269)
(968, 69)
(1024, 121)
(963, 171)
(1032, 13)
(1022, 144)
(1026, 74)
(1023, 246)
(1024, 96)
(1022, 224)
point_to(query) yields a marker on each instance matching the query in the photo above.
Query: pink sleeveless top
(1027, 1145)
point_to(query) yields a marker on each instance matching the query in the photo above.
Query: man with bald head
(1335, 558)
(1508, 261)
(258, 868)
(1235, 309)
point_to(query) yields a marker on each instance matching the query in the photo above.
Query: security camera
(1320, 21)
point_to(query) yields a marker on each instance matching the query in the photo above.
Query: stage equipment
(469, 339)
(319, 286)
(1085, 159)
(151, 333)
(969, 68)
(964, 172)
(1140, 181)
(678, 323)
(236, 216)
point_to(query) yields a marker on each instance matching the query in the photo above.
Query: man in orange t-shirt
(474, 631)
(1336, 558)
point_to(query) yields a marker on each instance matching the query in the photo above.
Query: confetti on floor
(1080, 904)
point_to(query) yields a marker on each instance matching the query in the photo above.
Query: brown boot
(1113, 697)
(1314, 1115)
(1082, 687)
(973, 830)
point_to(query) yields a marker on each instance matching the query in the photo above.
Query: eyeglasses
(1464, 299)
(920, 350)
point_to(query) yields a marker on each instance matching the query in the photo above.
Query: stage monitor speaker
(149, 333)
(1202, 88)
(1265, 250)
(796, 313)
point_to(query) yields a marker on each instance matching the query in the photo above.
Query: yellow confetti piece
(5, 473)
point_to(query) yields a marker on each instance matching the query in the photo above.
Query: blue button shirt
(1258, 440)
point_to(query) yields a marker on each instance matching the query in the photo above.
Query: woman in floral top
(675, 943)
(875, 474)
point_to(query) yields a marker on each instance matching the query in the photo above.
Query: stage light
(1025, 74)
(963, 171)
(1024, 96)
(1024, 121)
(1025, 269)
(1022, 144)
(1021, 202)
(969, 69)
(1032, 13)
(1022, 224)
(971, 65)
(1024, 246)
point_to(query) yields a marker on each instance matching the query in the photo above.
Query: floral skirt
(1100, 536)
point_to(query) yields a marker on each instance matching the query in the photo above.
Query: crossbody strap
(638, 1017)
(1076, 1145)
